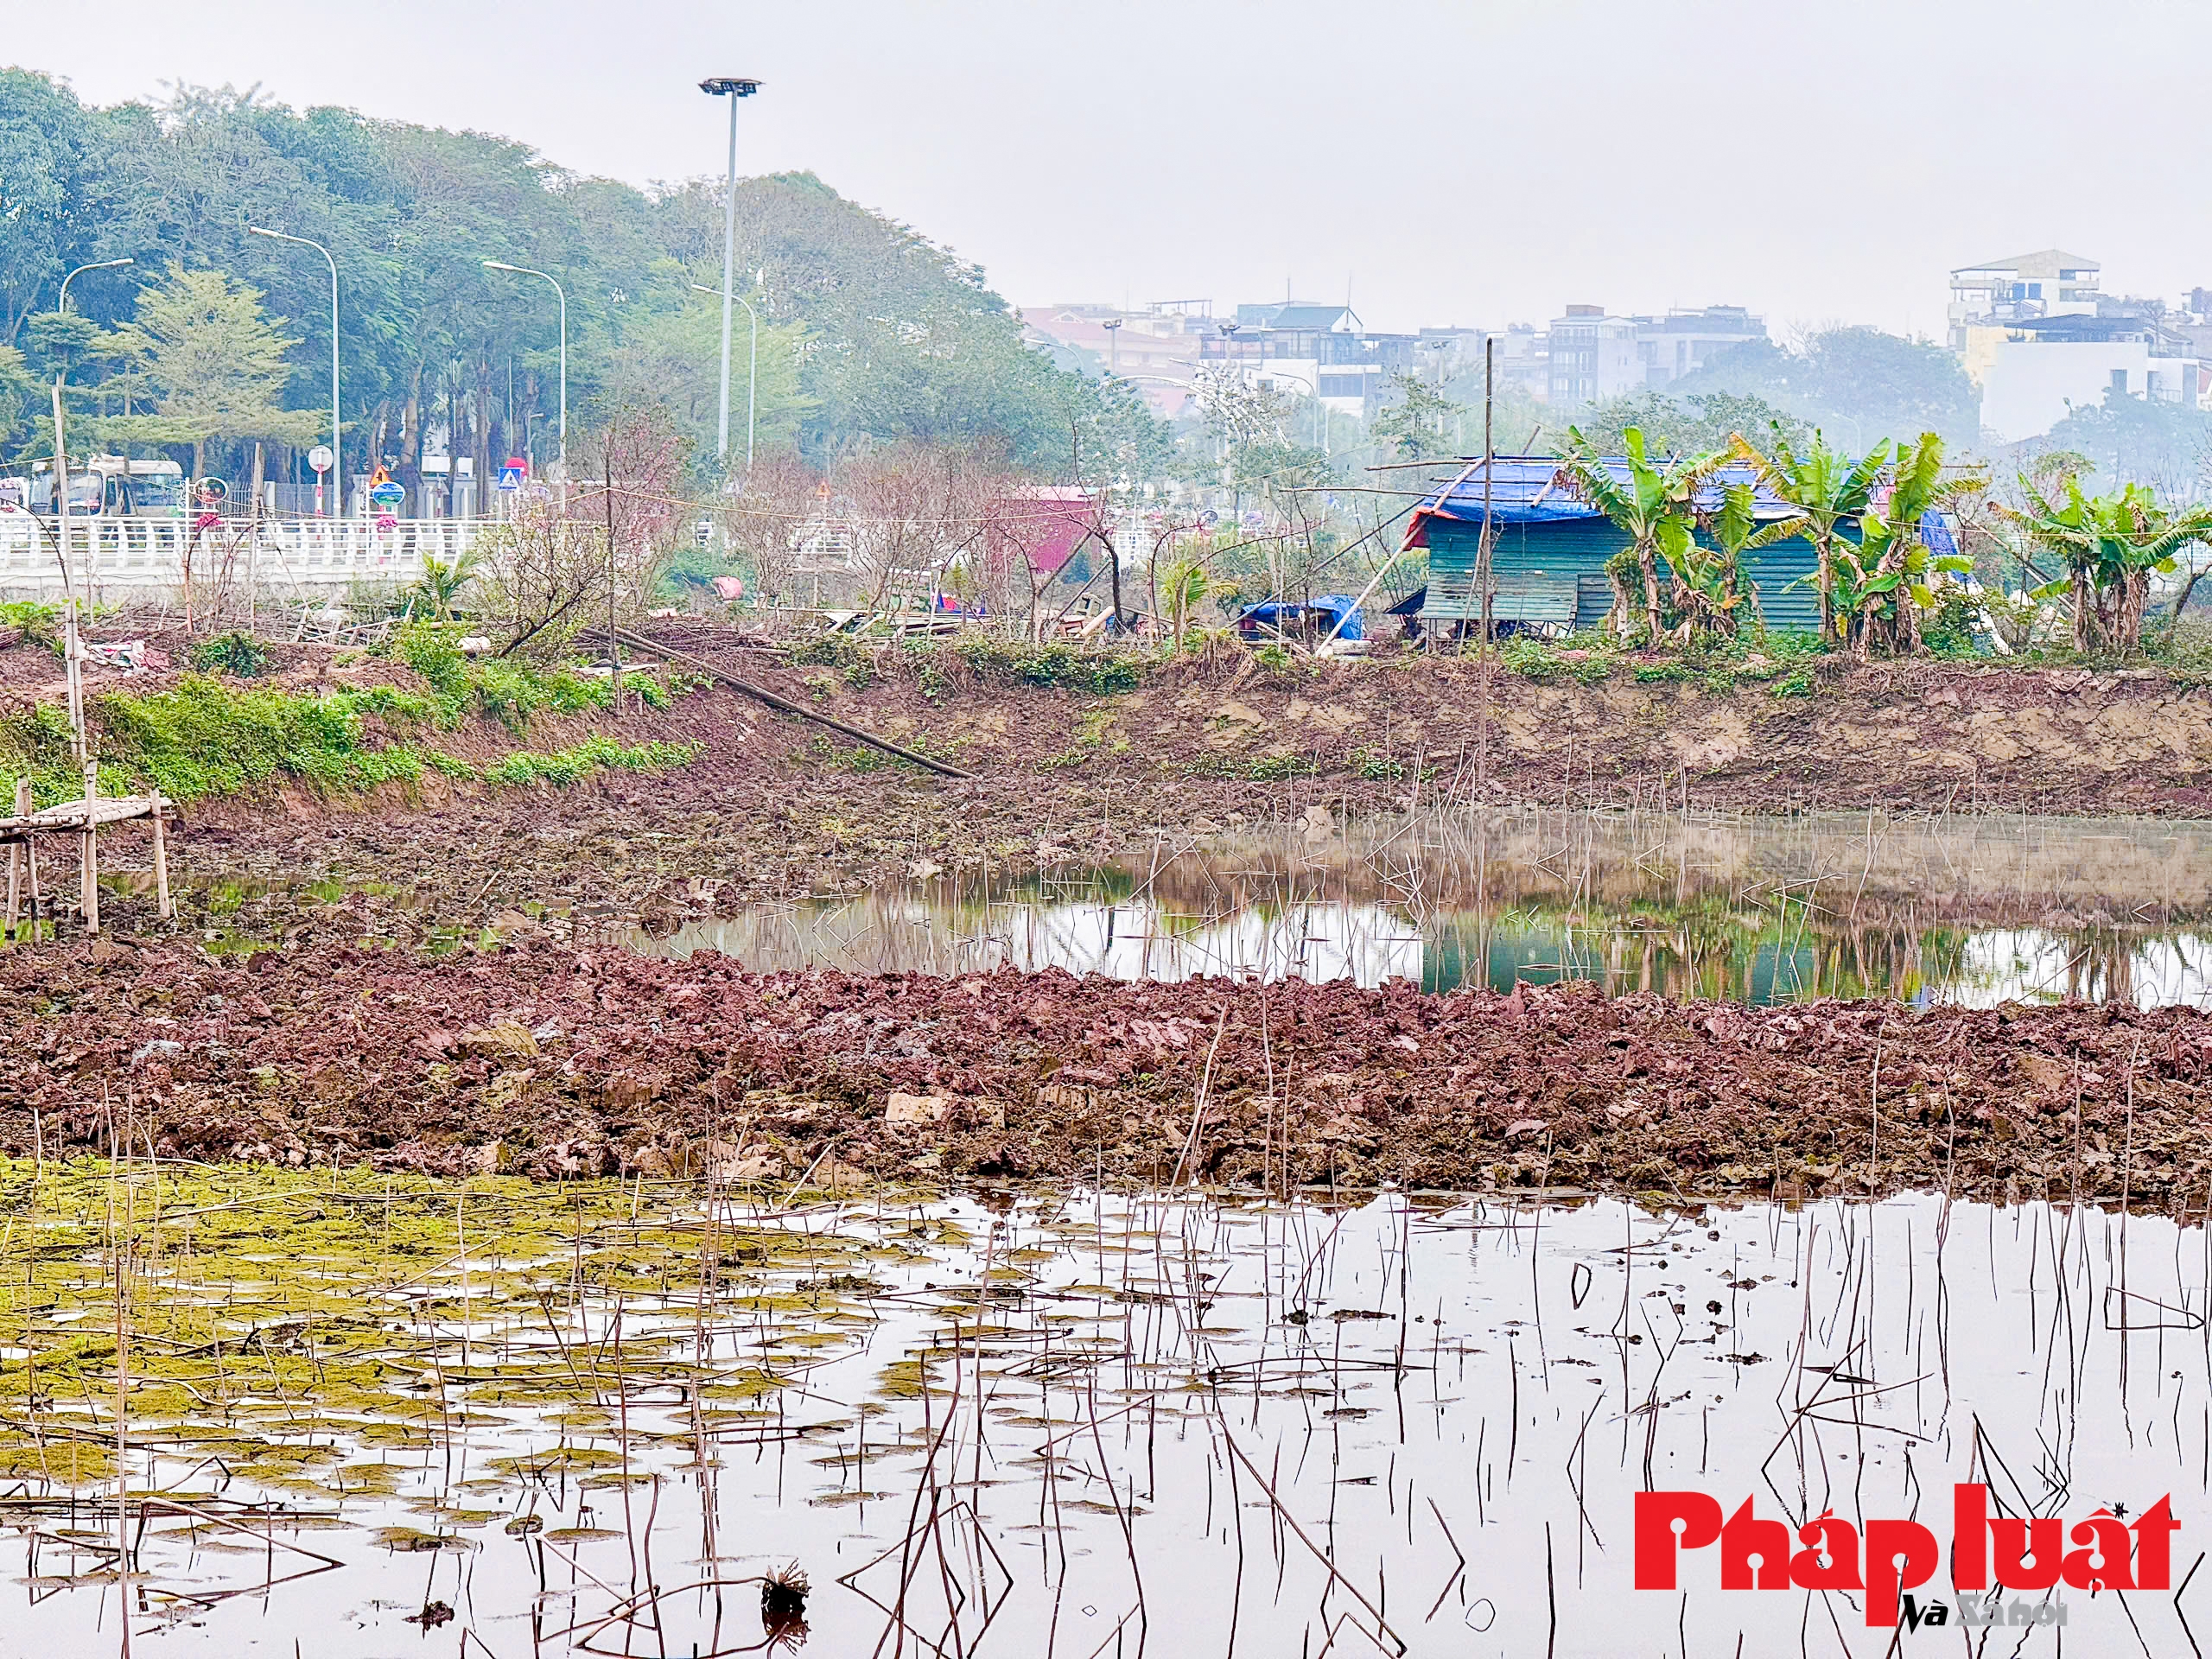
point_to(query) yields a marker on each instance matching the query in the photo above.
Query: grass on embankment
(208, 736)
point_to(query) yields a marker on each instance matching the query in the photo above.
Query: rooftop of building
(1299, 314)
(2046, 262)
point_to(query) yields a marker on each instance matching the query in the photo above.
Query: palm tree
(2110, 545)
(1826, 488)
(1656, 509)
(1182, 585)
(433, 597)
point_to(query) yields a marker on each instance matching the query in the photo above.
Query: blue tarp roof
(1525, 490)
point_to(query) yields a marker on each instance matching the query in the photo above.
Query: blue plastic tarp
(1326, 611)
(1528, 490)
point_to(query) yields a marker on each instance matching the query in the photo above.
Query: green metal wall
(1555, 573)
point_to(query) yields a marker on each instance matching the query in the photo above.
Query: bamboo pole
(73, 658)
(88, 874)
(163, 905)
(31, 855)
(783, 705)
(16, 850)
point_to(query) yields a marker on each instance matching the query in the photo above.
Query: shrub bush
(1094, 672)
(234, 653)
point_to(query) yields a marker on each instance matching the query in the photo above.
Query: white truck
(111, 486)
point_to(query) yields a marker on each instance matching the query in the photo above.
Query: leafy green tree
(1420, 420)
(1826, 489)
(1893, 384)
(1710, 590)
(2132, 440)
(19, 398)
(1683, 426)
(672, 355)
(216, 365)
(1182, 585)
(1656, 508)
(434, 598)
(1855, 377)
(2110, 546)
(48, 194)
(887, 336)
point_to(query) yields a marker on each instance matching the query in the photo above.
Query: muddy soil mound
(556, 1061)
(774, 805)
(1931, 736)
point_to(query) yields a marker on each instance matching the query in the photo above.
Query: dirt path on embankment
(557, 1061)
(775, 805)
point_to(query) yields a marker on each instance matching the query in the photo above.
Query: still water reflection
(1751, 910)
(370, 1415)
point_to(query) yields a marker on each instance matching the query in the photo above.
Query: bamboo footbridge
(82, 818)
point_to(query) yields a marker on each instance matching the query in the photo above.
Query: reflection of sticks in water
(1381, 1625)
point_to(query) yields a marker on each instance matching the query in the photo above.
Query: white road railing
(112, 556)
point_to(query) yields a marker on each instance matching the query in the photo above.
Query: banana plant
(1709, 584)
(1826, 489)
(1656, 508)
(1889, 577)
(2111, 546)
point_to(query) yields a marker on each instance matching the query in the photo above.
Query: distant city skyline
(1470, 164)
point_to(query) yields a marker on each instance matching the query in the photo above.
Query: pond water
(368, 1415)
(1757, 910)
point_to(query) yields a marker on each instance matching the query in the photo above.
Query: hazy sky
(1478, 161)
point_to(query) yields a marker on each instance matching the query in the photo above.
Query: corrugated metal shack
(1548, 563)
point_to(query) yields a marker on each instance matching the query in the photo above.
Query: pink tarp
(1047, 522)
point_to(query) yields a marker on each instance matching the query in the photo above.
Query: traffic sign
(388, 494)
(320, 458)
(510, 476)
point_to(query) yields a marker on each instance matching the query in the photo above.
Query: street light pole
(61, 305)
(62, 463)
(732, 87)
(752, 369)
(337, 449)
(525, 271)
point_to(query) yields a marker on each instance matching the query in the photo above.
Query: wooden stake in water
(89, 869)
(71, 657)
(16, 849)
(163, 905)
(88, 894)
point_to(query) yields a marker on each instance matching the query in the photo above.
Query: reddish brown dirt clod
(559, 1061)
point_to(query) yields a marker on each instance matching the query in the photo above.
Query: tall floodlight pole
(337, 449)
(732, 87)
(525, 271)
(753, 363)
